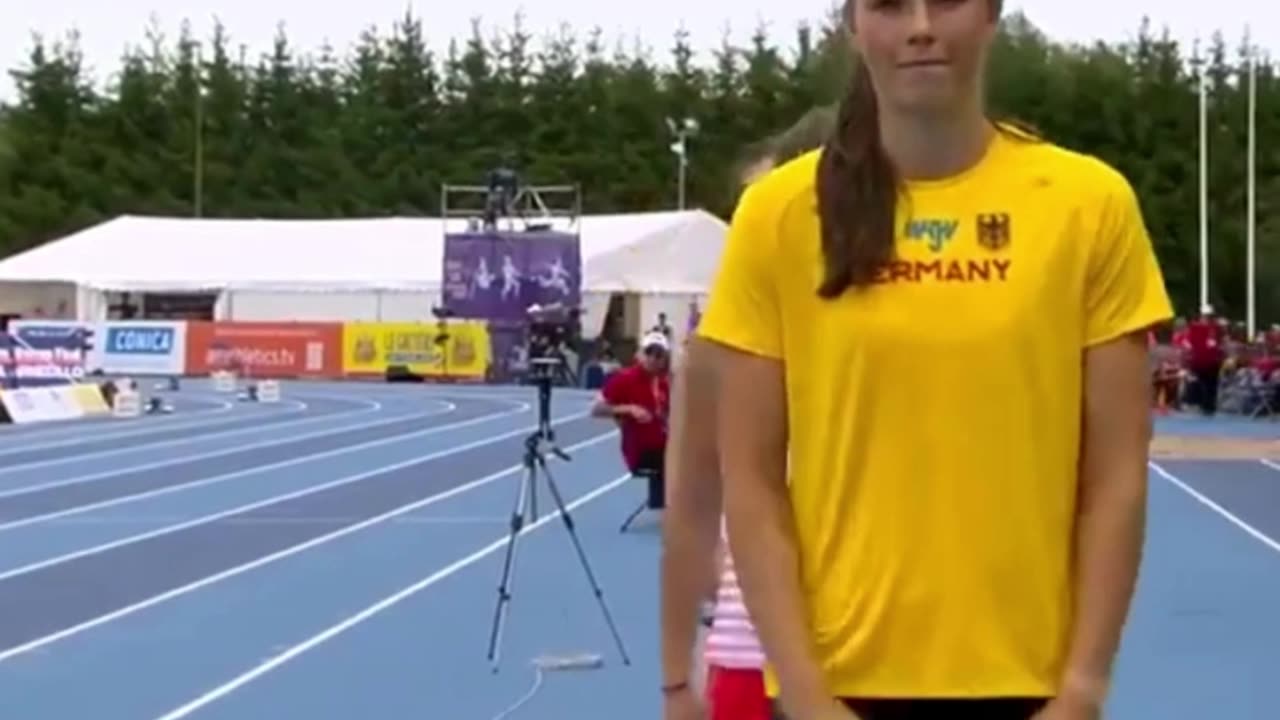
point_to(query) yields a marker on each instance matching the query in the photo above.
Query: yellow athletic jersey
(935, 416)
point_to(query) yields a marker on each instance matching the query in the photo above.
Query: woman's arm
(1111, 515)
(691, 520)
(744, 318)
(762, 538)
(1124, 297)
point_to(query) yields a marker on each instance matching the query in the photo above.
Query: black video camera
(552, 328)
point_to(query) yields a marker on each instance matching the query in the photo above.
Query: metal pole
(682, 131)
(1204, 186)
(1251, 221)
(197, 180)
(684, 168)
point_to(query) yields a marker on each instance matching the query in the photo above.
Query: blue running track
(337, 556)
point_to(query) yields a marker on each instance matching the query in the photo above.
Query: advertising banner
(117, 347)
(44, 353)
(88, 398)
(370, 348)
(265, 349)
(498, 276)
(142, 348)
(41, 404)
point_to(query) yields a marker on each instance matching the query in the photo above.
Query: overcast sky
(108, 26)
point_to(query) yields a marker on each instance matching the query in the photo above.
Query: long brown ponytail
(858, 187)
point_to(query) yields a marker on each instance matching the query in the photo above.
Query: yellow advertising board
(370, 348)
(89, 399)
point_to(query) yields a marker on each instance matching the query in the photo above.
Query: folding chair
(647, 476)
(1233, 392)
(1262, 395)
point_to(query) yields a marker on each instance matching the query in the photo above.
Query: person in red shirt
(1205, 356)
(1265, 363)
(1272, 338)
(1167, 376)
(1180, 338)
(638, 398)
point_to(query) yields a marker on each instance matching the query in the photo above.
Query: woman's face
(924, 55)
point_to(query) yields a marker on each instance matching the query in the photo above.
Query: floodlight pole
(684, 173)
(682, 131)
(197, 180)
(1251, 202)
(1203, 124)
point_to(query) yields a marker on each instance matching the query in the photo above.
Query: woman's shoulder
(789, 179)
(1082, 173)
(775, 193)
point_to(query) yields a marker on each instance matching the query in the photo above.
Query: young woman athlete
(933, 396)
(692, 524)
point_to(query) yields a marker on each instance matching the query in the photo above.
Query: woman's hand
(683, 705)
(832, 710)
(1070, 706)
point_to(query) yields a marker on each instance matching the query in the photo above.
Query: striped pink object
(732, 640)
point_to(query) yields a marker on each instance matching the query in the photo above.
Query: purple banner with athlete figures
(499, 275)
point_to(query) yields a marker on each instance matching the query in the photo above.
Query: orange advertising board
(265, 349)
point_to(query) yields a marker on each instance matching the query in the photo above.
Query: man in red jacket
(1205, 355)
(638, 398)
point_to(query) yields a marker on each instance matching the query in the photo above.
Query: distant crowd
(1210, 363)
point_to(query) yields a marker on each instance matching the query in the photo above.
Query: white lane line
(446, 408)
(298, 408)
(382, 390)
(1203, 499)
(77, 435)
(373, 407)
(382, 605)
(63, 428)
(84, 435)
(1270, 463)
(215, 479)
(435, 397)
(278, 555)
(151, 520)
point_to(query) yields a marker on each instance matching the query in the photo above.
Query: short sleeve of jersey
(743, 311)
(1125, 289)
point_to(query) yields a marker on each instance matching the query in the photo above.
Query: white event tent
(345, 270)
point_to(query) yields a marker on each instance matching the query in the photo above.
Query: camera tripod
(536, 446)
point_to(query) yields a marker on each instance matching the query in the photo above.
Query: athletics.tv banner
(265, 349)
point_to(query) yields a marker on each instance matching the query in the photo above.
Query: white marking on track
(1206, 501)
(381, 606)
(291, 462)
(179, 459)
(287, 552)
